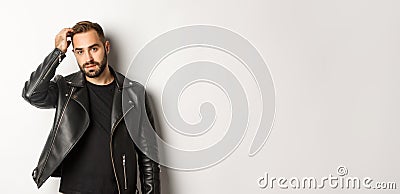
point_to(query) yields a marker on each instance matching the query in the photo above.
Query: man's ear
(107, 46)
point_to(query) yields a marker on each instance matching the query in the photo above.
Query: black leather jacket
(68, 95)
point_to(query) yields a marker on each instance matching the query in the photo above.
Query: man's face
(90, 53)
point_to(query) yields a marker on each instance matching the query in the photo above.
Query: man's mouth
(90, 66)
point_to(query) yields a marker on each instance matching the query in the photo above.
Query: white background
(335, 66)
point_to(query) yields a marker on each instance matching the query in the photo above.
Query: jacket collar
(78, 79)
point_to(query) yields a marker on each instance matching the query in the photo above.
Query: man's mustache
(91, 63)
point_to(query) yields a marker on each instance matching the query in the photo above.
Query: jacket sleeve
(149, 169)
(39, 90)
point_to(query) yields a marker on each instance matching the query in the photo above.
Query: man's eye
(79, 52)
(94, 49)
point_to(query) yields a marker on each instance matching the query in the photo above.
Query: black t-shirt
(88, 167)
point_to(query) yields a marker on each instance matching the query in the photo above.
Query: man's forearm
(38, 90)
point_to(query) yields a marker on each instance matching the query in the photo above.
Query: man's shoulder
(74, 79)
(127, 82)
(68, 77)
(71, 75)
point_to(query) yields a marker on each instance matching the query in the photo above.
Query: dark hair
(85, 26)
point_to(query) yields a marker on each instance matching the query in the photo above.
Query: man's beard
(97, 72)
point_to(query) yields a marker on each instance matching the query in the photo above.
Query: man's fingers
(69, 30)
(62, 41)
(66, 32)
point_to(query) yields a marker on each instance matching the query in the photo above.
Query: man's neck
(103, 79)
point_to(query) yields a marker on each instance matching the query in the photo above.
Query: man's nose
(89, 56)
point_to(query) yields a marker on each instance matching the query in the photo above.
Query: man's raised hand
(61, 41)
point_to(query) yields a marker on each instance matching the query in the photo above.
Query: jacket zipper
(111, 152)
(55, 132)
(59, 61)
(124, 165)
(47, 72)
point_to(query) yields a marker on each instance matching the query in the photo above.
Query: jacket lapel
(116, 112)
(122, 102)
(80, 95)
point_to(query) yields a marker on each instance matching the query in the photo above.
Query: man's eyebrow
(94, 45)
(91, 46)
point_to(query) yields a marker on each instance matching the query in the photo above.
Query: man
(91, 143)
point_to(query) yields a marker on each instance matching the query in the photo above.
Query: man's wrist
(60, 54)
(59, 50)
